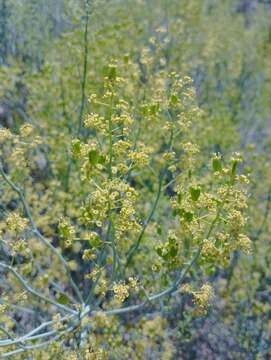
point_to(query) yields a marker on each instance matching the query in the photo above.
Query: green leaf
(76, 149)
(174, 99)
(234, 167)
(101, 159)
(93, 157)
(217, 164)
(158, 249)
(126, 58)
(210, 270)
(173, 251)
(179, 198)
(154, 108)
(95, 242)
(164, 279)
(112, 73)
(62, 299)
(195, 193)
(188, 216)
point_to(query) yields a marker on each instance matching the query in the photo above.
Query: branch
(39, 235)
(37, 346)
(30, 336)
(85, 64)
(134, 247)
(35, 292)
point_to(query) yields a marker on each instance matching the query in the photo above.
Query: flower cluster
(16, 223)
(66, 231)
(201, 298)
(121, 292)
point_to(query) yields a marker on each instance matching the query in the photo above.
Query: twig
(84, 77)
(39, 235)
(35, 292)
(134, 247)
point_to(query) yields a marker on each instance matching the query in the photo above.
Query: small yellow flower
(121, 291)
(16, 223)
(245, 244)
(26, 130)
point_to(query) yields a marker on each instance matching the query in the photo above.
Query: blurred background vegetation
(52, 56)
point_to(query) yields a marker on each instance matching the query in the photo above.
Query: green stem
(84, 77)
(134, 247)
(131, 252)
(110, 135)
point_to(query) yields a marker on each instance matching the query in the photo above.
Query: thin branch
(131, 252)
(37, 346)
(30, 335)
(39, 235)
(87, 311)
(134, 247)
(35, 292)
(10, 336)
(84, 77)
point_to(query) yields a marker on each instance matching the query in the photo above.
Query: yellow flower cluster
(66, 231)
(236, 220)
(5, 134)
(126, 220)
(88, 255)
(114, 194)
(96, 208)
(57, 325)
(102, 287)
(169, 156)
(209, 250)
(19, 247)
(244, 243)
(16, 223)
(191, 150)
(97, 354)
(101, 320)
(26, 130)
(3, 308)
(121, 292)
(202, 298)
(93, 274)
(124, 120)
(96, 122)
(133, 283)
(140, 158)
(120, 147)
(153, 327)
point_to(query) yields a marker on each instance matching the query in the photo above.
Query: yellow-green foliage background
(187, 83)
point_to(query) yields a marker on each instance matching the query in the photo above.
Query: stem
(134, 247)
(110, 224)
(39, 235)
(83, 96)
(110, 137)
(35, 292)
(9, 335)
(84, 77)
(131, 252)
(37, 346)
